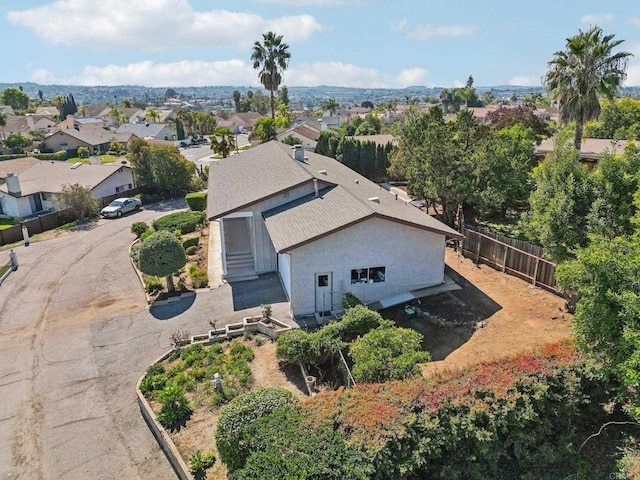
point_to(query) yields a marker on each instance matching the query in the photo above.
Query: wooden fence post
(535, 271)
(504, 259)
(478, 249)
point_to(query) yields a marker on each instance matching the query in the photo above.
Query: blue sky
(356, 43)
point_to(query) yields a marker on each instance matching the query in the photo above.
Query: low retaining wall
(163, 439)
(272, 329)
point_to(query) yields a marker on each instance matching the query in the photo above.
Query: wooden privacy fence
(49, 221)
(519, 258)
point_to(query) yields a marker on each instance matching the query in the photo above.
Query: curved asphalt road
(75, 336)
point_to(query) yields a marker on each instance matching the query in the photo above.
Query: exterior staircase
(240, 267)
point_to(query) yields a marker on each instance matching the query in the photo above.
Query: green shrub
(135, 255)
(176, 408)
(237, 417)
(151, 384)
(138, 228)
(148, 198)
(349, 300)
(192, 250)
(190, 242)
(155, 369)
(152, 284)
(200, 462)
(197, 201)
(199, 277)
(147, 234)
(83, 152)
(186, 222)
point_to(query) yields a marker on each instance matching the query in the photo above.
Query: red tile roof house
(28, 186)
(324, 228)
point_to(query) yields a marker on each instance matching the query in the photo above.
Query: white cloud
(153, 25)
(427, 32)
(523, 81)
(597, 18)
(635, 21)
(400, 25)
(232, 72)
(458, 84)
(633, 70)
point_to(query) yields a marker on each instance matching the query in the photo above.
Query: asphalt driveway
(75, 336)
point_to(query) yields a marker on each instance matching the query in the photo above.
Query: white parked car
(120, 206)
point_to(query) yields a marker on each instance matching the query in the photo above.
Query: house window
(323, 280)
(368, 275)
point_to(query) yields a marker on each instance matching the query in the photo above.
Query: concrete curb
(138, 272)
(164, 441)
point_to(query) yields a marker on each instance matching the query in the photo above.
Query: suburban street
(201, 154)
(75, 336)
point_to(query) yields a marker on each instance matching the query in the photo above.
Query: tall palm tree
(153, 114)
(331, 105)
(584, 71)
(272, 58)
(223, 141)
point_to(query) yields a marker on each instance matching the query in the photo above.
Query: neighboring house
(16, 124)
(49, 111)
(41, 123)
(129, 115)
(7, 109)
(96, 140)
(239, 121)
(72, 122)
(155, 131)
(591, 149)
(307, 133)
(324, 228)
(28, 186)
(380, 140)
(140, 116)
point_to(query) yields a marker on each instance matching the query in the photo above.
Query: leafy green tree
(265, 129)
(283, 119)
(367, 104)
(176, 408)
(366, 128)
(162, 254)
(387, 353)
(16, 98)
(271, 58)
(170, 93)
(291, 140)
(560, 202)
(237, 417)
(502, 169)
(524, 115)
(585, 70)
(159, 169)
(328, 144)
(223, 141)
(606, 275)
(17, 141)
(236, 100)
(331, 105)
(40, 95)
(79, 200)
(618, 120)
(614, 181)
(283, 95)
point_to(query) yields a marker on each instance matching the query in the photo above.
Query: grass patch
(7, 222)
(103, 159)
(3, 269)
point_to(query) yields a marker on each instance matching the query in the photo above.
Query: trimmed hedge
(60, 156)
(190, 242)
(197, 201)
(186, 222)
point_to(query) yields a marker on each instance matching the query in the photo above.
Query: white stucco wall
(123, 177)
(284, 268)
(265, 253)
(413, 258)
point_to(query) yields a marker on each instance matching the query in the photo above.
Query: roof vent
(357, 181)
(75, 165)
(323, 172)
(374, 199)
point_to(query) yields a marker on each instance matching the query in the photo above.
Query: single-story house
(97, 140)
(28, 186)
(591, 149)
(72, 122)
(239, 121)
(324, 228)
(307, 133)
(49, 111)
(155, 131)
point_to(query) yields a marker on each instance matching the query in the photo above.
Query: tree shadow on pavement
(172, 309)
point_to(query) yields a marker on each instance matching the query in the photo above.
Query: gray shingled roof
(256, 174)
(51, 176)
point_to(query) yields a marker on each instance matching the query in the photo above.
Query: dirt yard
(516, 317)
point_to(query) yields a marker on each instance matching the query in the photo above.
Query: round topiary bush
(162, 255)
(237, 416)
(192, 250)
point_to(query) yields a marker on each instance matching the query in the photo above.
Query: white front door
(323, 293)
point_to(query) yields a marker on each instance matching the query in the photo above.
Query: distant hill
(221, 96)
